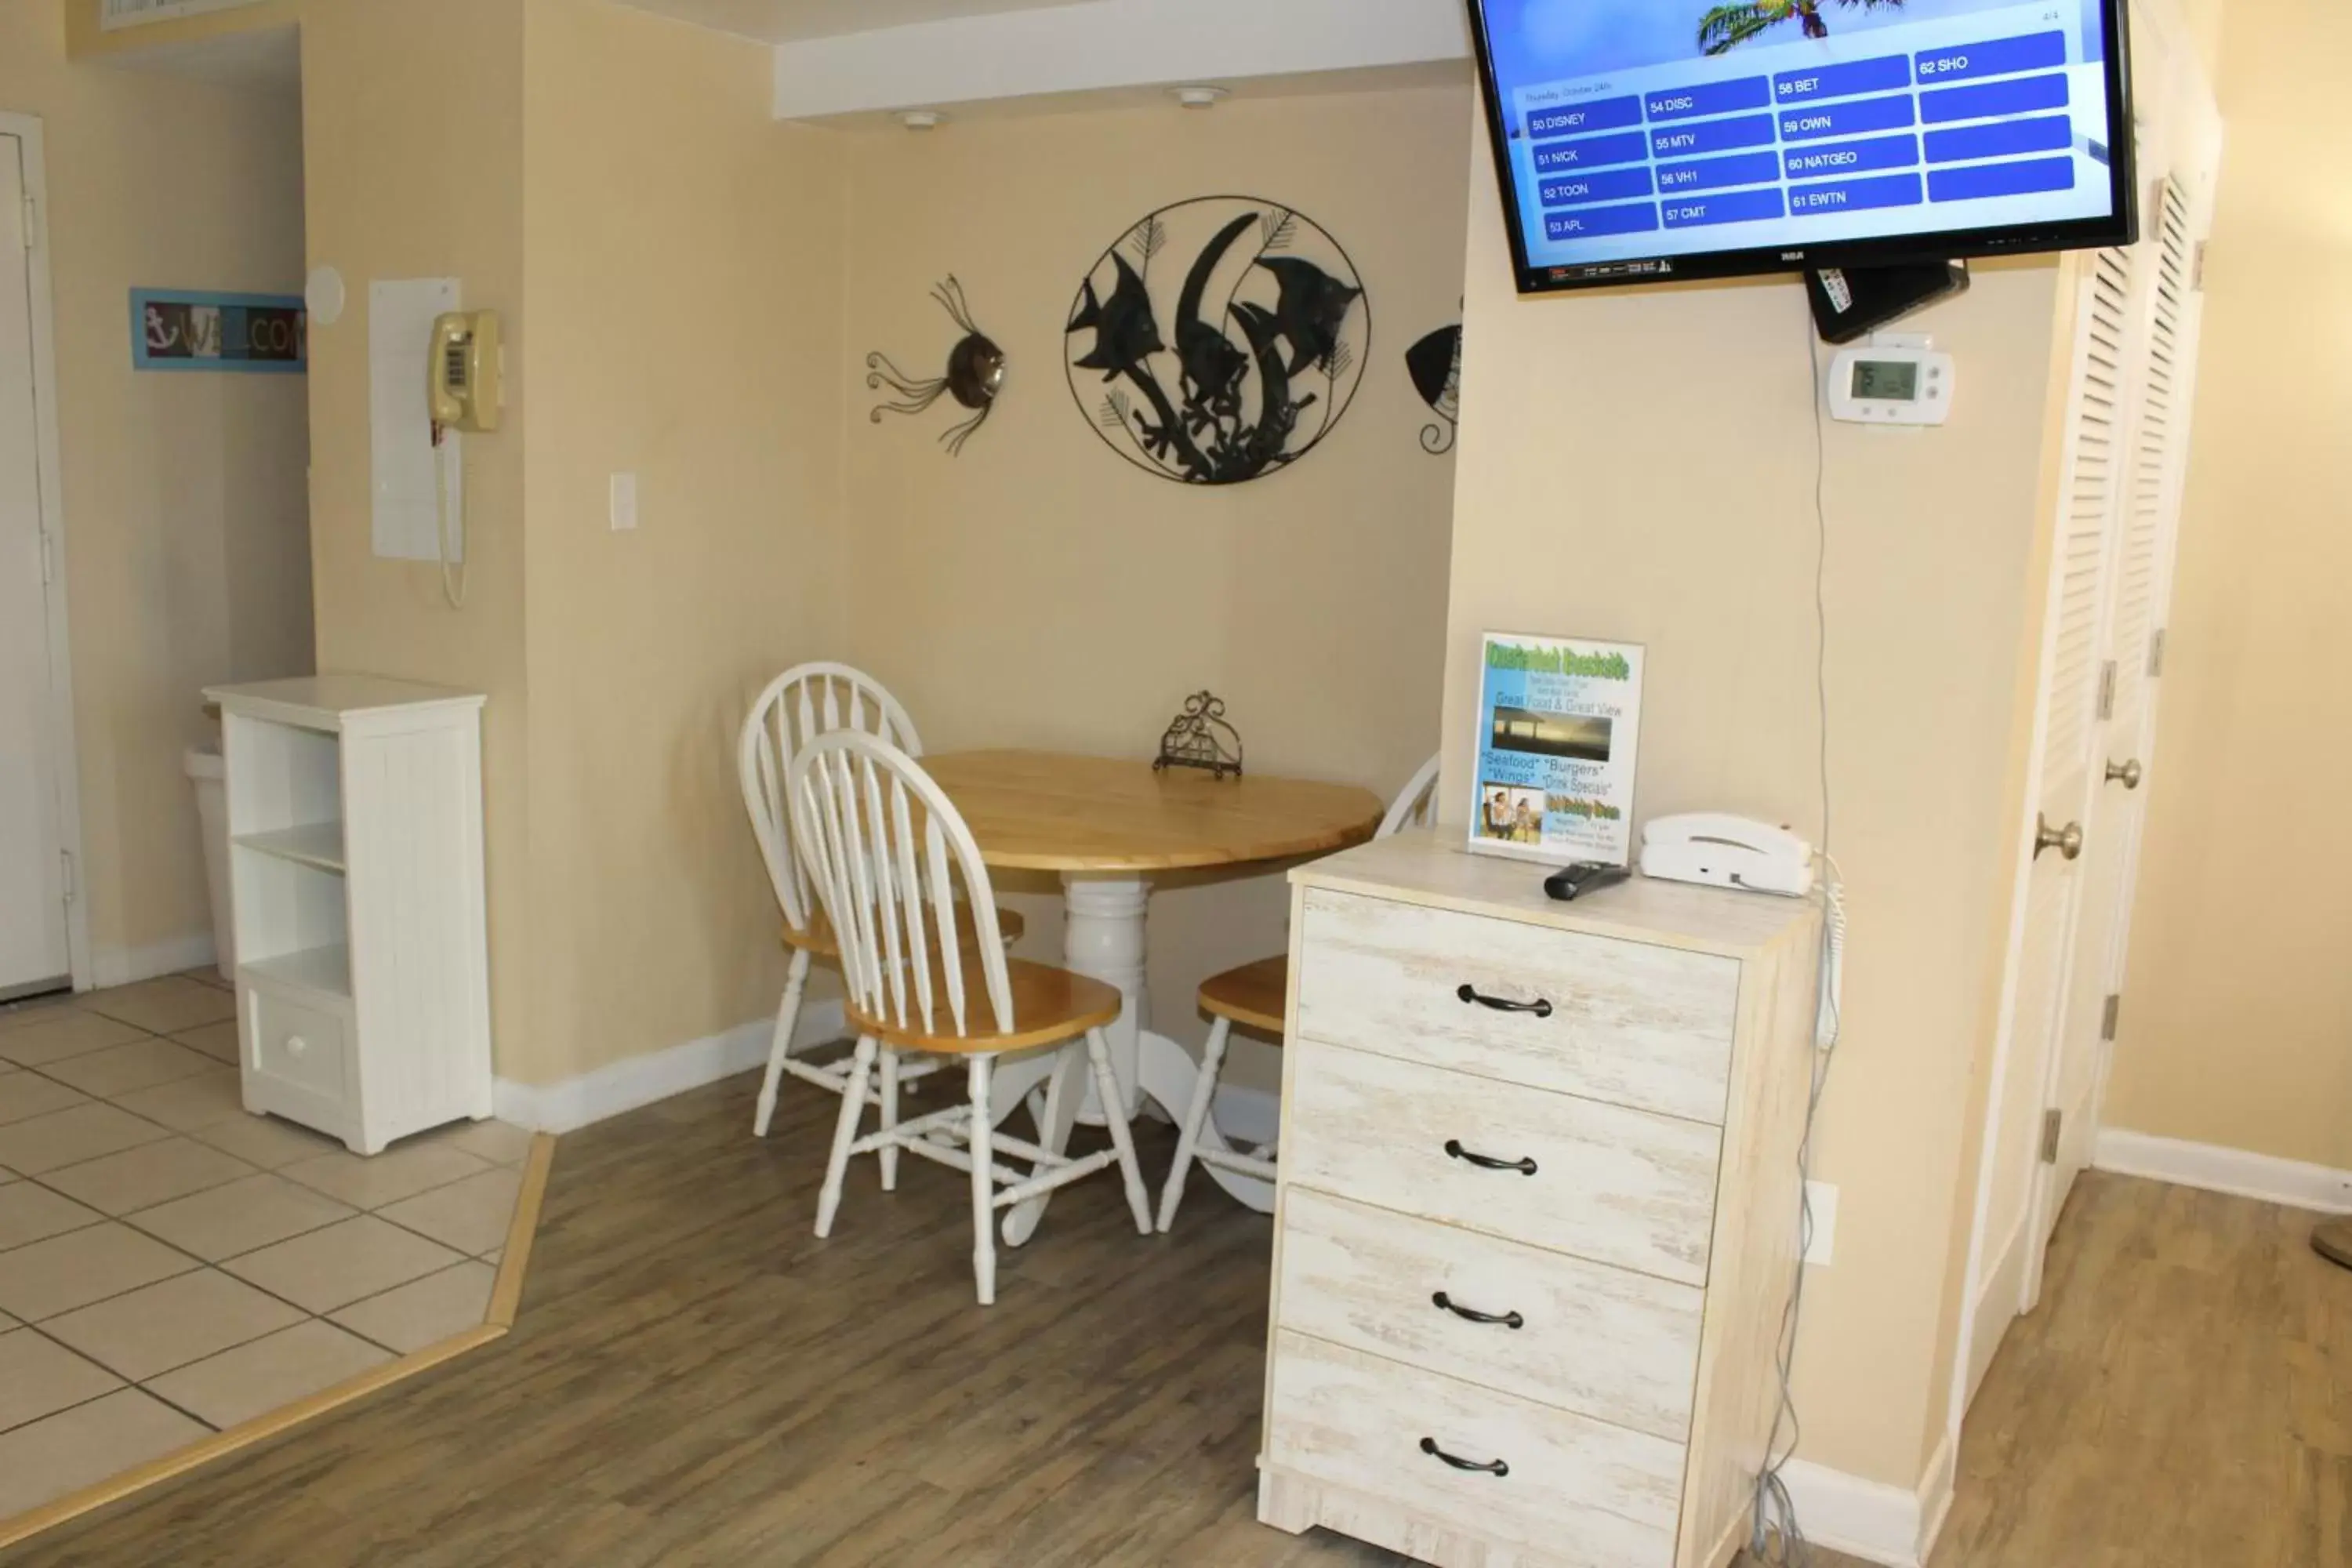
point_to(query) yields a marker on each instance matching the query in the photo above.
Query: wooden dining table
(1107, 825)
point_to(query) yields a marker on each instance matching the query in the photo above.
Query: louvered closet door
(2080, 571)
(2158, 379)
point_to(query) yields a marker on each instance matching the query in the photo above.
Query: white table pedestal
(1103, 937)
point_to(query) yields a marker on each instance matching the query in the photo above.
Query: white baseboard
(112, 966)
(1872, 1519)
(641, 1080)
(2215, 1169)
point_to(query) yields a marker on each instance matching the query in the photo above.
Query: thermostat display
(1881, 384)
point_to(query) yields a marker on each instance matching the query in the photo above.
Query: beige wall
(2237, 1019)
(412, 129)
(1040, 590)
(683, 265)
(1640, 465)
(183, 495)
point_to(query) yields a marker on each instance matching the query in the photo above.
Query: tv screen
(1652, 140)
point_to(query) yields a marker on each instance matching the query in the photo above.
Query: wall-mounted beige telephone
(465, 387)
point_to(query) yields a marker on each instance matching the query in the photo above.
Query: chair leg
(1114, 1115)
(787, 1016)
(1187, 1137)
(984, 1183)
(890, 1152)
(844, 1134)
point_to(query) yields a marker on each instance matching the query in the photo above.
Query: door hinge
(2052, 1123)
(2109, 1014)
(2155, 653)
(49, 558)
(32, 222)
(73, 883)
(2107, 689)
(2197, 268)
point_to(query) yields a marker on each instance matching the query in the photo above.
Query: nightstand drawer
(1601, 1181)
(1623, 1022)
(303, 1047)
(1583, 1491)
(1602, 1341)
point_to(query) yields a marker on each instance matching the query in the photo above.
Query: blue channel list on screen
(1658, 127)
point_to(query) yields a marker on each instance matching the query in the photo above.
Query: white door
(2160, 370)
(2081, 569)
(34, 955)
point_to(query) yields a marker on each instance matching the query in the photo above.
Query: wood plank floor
(695, 1379)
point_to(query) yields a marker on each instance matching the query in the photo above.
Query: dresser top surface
(321, 699)
(1432, 868)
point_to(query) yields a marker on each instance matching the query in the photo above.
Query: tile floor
(171, 1266)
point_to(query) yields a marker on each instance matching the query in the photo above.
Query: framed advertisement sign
(1560, 722)
(172, 328)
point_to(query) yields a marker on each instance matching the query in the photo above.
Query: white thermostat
(1894, 379)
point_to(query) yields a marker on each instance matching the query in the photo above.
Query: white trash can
(209, 772)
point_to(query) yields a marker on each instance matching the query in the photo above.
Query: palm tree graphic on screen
(1729, 25)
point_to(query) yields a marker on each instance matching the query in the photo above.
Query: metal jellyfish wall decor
(975, 374)
(1435, 365)
(1219, 340)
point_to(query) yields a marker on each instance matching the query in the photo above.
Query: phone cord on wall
(453, 580)
(1775, 1538)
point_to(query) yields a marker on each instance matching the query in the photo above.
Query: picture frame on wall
(1559, 730)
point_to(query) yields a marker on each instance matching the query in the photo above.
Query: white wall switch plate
(1823, 1200)
(624, 502)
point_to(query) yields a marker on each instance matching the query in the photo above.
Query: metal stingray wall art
(1435, 365)
(1219, 340)
(975, 374)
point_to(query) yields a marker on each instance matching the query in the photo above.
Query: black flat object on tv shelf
(1654, 141)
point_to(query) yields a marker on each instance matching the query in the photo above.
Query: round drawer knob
(295, 1045)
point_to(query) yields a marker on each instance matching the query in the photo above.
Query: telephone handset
(464, 384)
(1728, 851)
(464, 389)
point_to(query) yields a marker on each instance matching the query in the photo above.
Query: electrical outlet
(1822, 1199)
(624, 502)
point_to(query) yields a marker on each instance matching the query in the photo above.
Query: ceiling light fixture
(923, 120)
(1198, 96)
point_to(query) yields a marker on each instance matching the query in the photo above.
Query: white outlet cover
(624, 502)
(1822, 1198)
(324, 295)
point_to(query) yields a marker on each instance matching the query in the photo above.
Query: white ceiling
(782, 21)
(266, 59)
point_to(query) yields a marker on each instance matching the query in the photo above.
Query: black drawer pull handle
(1487, 1162)
(1509, 1319)
(1496, 1469)
(1539, 1007)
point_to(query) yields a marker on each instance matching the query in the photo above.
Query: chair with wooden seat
(806, 701)
(886, 850)
(1254, 997)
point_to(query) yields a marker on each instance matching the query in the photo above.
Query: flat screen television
(1656, 139)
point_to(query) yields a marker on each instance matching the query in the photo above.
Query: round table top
(1043, 811)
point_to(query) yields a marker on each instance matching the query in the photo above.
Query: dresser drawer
(1598, 1341)
(1608, 1184)
(1587, 1493)
(301, 1047)
(1622, 1021)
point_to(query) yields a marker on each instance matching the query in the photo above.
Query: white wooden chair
(885, 848)
(806, 701)
(1254, 996)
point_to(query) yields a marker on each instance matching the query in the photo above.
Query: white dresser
(355, 884)
(1536, 1221)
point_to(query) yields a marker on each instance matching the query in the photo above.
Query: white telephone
(1724, 851)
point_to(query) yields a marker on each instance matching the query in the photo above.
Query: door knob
(2066, 840)
(2129, 772)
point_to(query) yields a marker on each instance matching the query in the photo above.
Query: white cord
(453, 584)
(1775, 1539)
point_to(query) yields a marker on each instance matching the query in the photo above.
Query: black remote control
(1583, 878)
